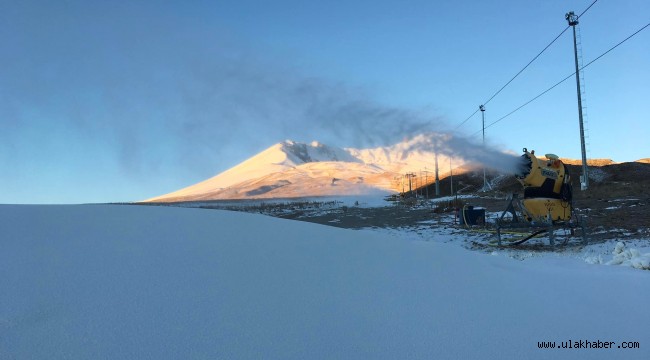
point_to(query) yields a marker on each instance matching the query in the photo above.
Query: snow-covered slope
(410, 155)
(139, 282)
(309, 179)
(276, 159)
(291, 169)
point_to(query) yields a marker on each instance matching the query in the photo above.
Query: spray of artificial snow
(216, 103)
(457, 146)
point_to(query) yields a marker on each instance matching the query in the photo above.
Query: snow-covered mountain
(294, 169)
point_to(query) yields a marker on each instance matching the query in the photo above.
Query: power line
(529, 101)
(565, 79)
(615, 46)
(587, 9)
(469, 117)
(536, 56)
(516, 75)
(525, 67)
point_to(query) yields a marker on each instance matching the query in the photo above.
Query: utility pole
(410, 176)
(415, 183)
(486, 186)
(584, 179)
(451, 178)
(437, 178)
(426, 181)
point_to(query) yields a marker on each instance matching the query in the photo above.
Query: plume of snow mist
(457, 146)
(347, 117)
(156, 96)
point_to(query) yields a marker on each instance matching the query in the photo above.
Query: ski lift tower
(584, 178)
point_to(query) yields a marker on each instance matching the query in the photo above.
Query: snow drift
(629, 257)
(134, 282)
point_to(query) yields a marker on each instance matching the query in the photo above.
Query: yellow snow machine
(547, 203)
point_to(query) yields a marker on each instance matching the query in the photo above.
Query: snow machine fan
(546, 206)
(547, 188)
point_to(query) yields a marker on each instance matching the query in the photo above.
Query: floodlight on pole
(584, 178)
(486, 186)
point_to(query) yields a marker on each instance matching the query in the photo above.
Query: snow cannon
(547, 188)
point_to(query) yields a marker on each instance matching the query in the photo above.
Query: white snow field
(138, 282)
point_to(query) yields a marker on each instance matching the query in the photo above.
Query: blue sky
(117, 101)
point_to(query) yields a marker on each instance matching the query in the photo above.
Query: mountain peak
(300, 153)
(291, 168)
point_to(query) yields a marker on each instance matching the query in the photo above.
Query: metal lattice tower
(584, 178)
(585, 118)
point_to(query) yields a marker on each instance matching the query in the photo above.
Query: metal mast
(426, 181)
(437, 178)
(451, 178)
(410, 176)
(584, 179)
(486, 186)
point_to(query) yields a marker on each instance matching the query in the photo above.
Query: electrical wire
(566, 78)
(527, 65)
(527, 102)
(587, 9)
(469, 117)
(615, 46)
